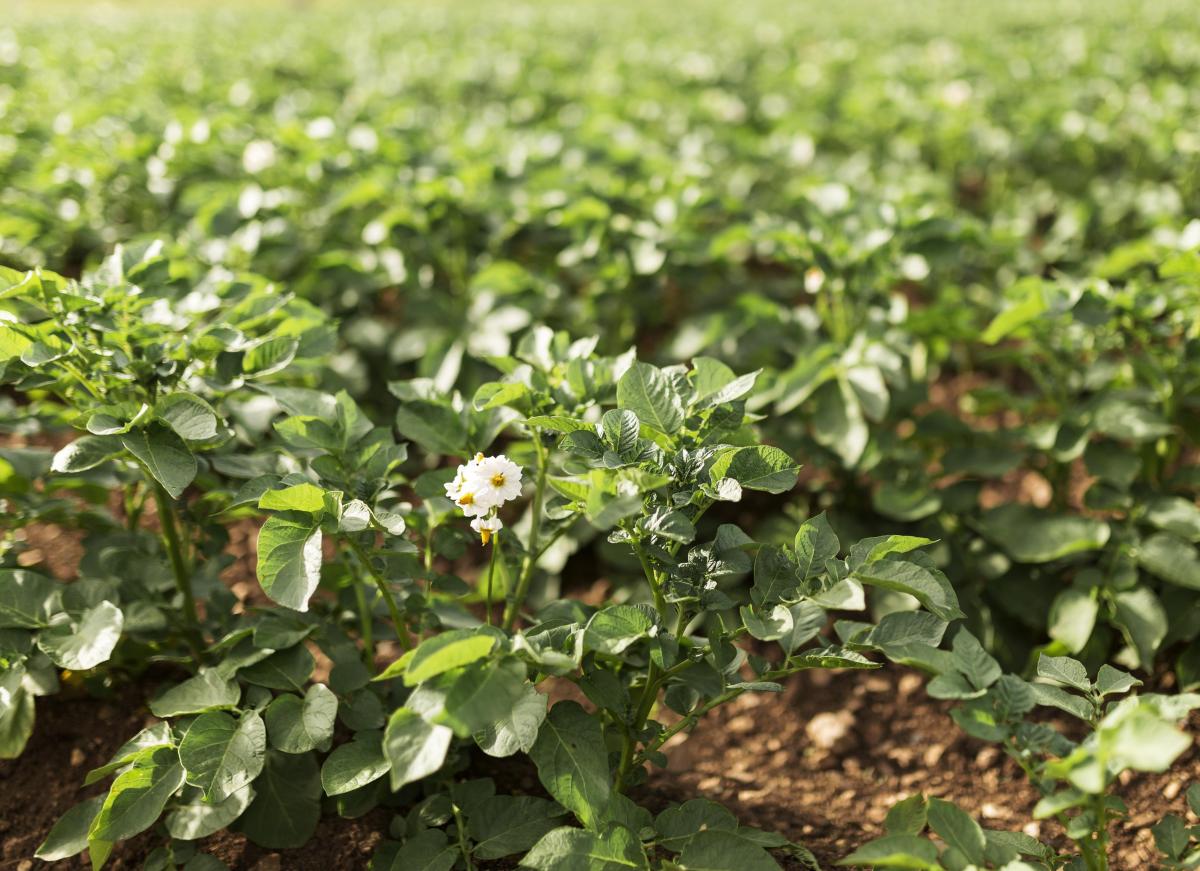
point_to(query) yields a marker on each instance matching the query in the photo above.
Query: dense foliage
(287, 270)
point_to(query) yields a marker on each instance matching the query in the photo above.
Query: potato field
(599, 436)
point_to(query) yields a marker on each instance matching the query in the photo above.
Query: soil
(820, 763)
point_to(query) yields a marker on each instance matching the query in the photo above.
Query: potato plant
(1077, 780)
(194, 401)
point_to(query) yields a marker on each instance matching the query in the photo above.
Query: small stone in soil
(830, 731)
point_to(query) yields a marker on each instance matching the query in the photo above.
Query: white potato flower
(481, 486)
(487, 527)
(496, 479)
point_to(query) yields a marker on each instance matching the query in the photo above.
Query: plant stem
(517, 598)
(364, 612)
(1101, 843)
(401, 628)
(183, 578)
(653, 677)
(491, 577)
(660, 602)
(429, 560)
(462, 837)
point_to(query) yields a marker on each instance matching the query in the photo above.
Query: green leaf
(1142, 739)
(1172, 558)
(709, 376)
(871, 550)
(1171, 835)
(69, 836)
(976, 664)
(1064, 670)
(414, 748)
(905, 502)
(815, 544)
(86, 644)
(298, 726)
(769, 625)
(287, 802)
(957, 829)
(495, 394)
(504, 824)
(299, 497)
(621, 429)
(289, 559)
(26, 599)
(1031, 535)
(1176, 515)
(355, 764)
(1030, 305)
(615, 629)
(16, 716)
(285, 670)
(195, 695)
(559, 423)
(838, 422)
(775, 576)
(572, 762)
(480, 694)
(446, 651)
(426, 851)
(679, 824)
(716, 850)
(759, 467)
(47, 351)
(190, 416)
(158, 735)
(648, 392)
(438, 429)
(517, 730)
(907, 817)
(222, 755)
(164, 455)
(12, 343)
(272, 355)
(1112, 681)
(137, 797)
(896, 851)
(571, 849)
(1056, 697)
(199, 819)
(86, 452)
(931, 590)
(1142, 620)
(1072, 618)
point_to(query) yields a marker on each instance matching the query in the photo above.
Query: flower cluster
(481, 486)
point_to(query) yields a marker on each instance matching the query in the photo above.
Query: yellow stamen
(466, 499)
(498, 480)
(479, 458)
(485, 535)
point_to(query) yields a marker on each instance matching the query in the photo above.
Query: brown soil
(820, 763)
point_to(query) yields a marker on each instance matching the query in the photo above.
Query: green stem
(491, 577)
(364, 612)
(401, 628)
(694, 717)
(1101, 842)
(463, 847)
(429, 559)
(660, 602)
(183, 579)
(517, 599)
(654, 676)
